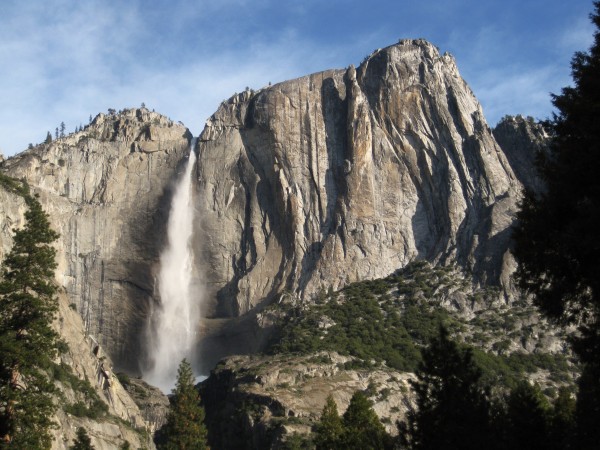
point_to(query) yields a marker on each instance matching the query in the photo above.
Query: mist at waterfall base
(173, 323)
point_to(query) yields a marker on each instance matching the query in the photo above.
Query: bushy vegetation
(389, 321)
(89, 404)
(364, 321)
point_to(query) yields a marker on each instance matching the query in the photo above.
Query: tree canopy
(557, 243)
(82, 441)
(359, 428)
(557, 239)
(185, 427)
(451, 402)
(330, 429)
(28, 343)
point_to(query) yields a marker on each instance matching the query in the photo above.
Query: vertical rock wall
(350, 174)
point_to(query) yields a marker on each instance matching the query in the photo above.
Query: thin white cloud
(513, 92)
(64, 60)
(86, 62)
(577, 36)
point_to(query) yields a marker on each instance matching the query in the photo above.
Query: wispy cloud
(64, 60)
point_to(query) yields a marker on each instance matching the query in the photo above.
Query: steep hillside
(90, 395)
(368, 337)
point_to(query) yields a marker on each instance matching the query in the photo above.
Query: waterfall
(173, 324)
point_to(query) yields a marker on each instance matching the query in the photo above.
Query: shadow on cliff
(256, 174)
(334, 108)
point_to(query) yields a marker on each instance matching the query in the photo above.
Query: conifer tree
(557, 239)
(28, 343)
(451, 403)
(329, 430)
(82, 441)
(48, 138)
(362, 428)
(185, 427)
(528, 416)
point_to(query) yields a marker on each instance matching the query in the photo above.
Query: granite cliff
(350, 174)
(522, 140)
(312, 183)
(105, 189)
(300, 188)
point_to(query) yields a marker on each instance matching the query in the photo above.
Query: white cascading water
(173, 324)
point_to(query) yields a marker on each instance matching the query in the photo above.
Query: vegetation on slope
(388, 321)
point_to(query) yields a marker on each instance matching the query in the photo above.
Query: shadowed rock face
(107, 190)
(350, 174)
(522, 140)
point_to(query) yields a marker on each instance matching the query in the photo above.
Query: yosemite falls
(173, 323)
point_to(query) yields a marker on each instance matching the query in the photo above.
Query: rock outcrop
(86, 364)
(522, 140)
(107, 191)
(350, 174)
(258, 402)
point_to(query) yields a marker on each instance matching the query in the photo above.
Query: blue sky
(67, 60)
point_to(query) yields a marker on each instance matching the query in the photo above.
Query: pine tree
(185, 427)
(562, 421)
(528, 416)
(557, 240)
(451, 403)
(362, 428)
(48, 138)
(329, 430)
(82, 441)
(27, 341)
(63, 127)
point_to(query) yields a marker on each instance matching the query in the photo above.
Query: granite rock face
(350, 174)
(312, 183)
(86, 361)
(522, 139)
(107, 191)
(259, 402)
